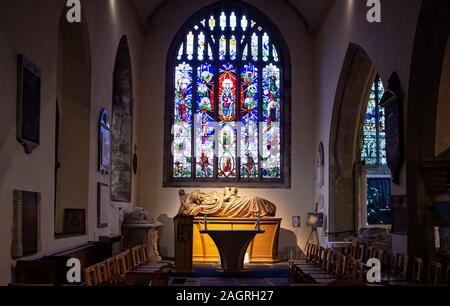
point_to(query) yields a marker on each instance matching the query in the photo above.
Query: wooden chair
(417, 270)
(102, 273)
(359, 271)
(388, 263)
(404, 267)
(434, 273)
(353, 250)
(307, 250)
(329, 261)
(447, 275)
(311, 252)
(128, 260)
(401, 270)
(371, 252)
(361, 252)
(111, 268)
(136, 257)
(326, 258)
(91, 276)
(379, 254)
(144, 254)
(121, 266)
(320, 256)
(341, 265)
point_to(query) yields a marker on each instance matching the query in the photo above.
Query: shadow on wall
(166, 233)
(287, 246)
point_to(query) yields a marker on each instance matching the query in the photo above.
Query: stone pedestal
(140, 229)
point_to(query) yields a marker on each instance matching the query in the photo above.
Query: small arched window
(374, 134)
(227, 115)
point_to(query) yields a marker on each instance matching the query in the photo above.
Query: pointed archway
(350, 104)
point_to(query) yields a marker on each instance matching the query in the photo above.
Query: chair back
(91, 277)
(137, 257)
(102, 273)
(144, 254)
(417, 270)
(360, 254)
(434, 273)
(111, 268)
(121, 265)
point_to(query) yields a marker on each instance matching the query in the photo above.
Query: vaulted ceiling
(311, 12)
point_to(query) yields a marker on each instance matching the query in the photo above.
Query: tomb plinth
(139, 228)
(228, 211)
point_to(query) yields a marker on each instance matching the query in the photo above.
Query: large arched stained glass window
(227, 101)
(378, 210)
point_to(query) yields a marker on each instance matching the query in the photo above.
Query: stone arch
(72, 139)
(426, 75)
(443, 107)
(357, 74)
(122, 125)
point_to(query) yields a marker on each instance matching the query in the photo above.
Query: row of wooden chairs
(325, 266)
(116, 270)
(400, 268)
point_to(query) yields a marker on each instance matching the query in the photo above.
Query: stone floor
(258, 275)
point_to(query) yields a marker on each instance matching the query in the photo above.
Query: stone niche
(26, 224)
(139, 228)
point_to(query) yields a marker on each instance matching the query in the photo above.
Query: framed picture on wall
(104, 148)
(102, 205)
(74, 221)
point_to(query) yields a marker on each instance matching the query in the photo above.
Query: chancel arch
(426, 110)
(350, 106)
(443, 107)
(72, 137)
(228, 101)
(122, 126)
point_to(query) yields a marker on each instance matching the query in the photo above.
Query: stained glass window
(373, 150)
(373, 153)
(228, 101)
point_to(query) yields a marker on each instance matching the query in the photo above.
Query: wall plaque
(28, 104)
(392, 103)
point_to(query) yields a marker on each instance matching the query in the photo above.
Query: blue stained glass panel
(204, 120)
(249, 119)
(181, 148)
(271, 134)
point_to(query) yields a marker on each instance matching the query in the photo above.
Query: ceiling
(311, 12)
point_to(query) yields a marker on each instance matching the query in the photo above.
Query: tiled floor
(259, 275)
